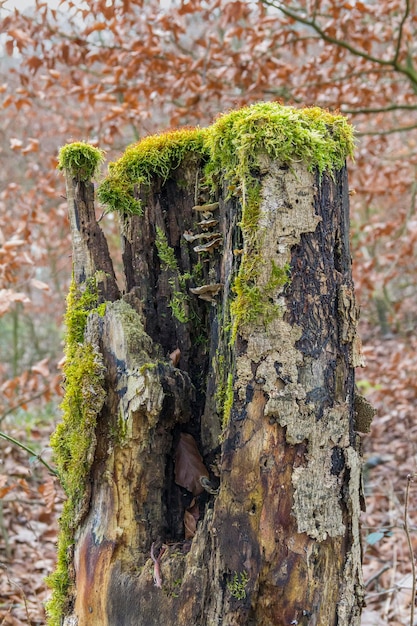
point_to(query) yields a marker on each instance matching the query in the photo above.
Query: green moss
(179, 299)
(74, 436)
(119, 194)
(165, 252)
(237, 585)
(254, 304)
(179, 304)
(155, 156)
(71, 442)
(146, 367)
(237, 139)
(79, 306)
(237, 142)
(80, 159)
(219, 366)
(253, 301)
(231, 147)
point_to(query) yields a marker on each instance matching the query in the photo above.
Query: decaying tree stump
(219, 478)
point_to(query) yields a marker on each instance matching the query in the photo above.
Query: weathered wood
(267, 392)
(91, 256)
(129, 478)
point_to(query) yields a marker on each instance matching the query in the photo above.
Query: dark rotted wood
(320, 264)
(90, 249)
(169, 207)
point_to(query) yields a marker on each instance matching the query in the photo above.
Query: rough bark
(91, 256)
(271, 411)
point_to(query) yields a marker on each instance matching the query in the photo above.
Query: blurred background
(112, 71)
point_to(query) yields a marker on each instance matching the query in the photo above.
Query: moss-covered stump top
(230, 148)
(81, 160)
(157, 155)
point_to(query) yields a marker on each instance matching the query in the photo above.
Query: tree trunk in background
(267, 402)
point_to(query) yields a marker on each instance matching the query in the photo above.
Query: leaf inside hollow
(189, 466)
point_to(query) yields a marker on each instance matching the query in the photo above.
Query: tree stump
(219, 475)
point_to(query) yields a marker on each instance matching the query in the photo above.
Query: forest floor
(390, 469)
(30, 498)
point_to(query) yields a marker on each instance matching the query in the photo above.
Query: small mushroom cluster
(208, 241)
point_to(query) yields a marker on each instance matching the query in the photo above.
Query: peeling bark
(280, 543)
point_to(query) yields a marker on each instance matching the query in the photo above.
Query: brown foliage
(189, 466)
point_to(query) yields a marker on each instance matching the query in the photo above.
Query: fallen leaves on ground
(30, 501)
(390, 456)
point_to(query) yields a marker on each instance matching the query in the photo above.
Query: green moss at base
(74, 438)
(59, 581)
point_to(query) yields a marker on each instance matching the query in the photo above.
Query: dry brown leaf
(189, 466)
(48, 492)
(175, 357)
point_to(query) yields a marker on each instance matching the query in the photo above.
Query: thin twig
(410, 478)
(393, 63)
(376, 575)
(389, 131)
(21, 403)
(21, 445)
(400, 31)
(15, 584)
(333, 40)
(3, 621)
(4, 533)
(387, 109)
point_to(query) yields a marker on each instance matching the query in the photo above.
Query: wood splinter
(157, 578)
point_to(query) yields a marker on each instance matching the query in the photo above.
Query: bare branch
(389, 131)
(391, 107)
(21, 403)
(400, 31)
(323, 35)
(410, 478)
(408, 70)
